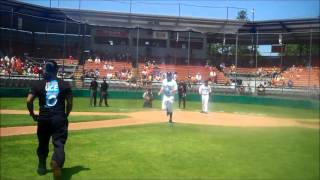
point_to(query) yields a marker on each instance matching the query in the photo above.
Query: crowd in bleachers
(149, 71)
(152, 70)
(30, 67)
(18, 66)
(293, 76)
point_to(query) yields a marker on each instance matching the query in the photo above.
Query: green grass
(7, 120)
(130, 105)
(180, 151)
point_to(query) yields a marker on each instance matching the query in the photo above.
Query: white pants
(205, 101)
(167, 103)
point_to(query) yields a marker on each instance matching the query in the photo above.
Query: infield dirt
(154, 116)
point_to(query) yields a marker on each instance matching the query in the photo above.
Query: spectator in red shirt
(19, 66)
(35, 69)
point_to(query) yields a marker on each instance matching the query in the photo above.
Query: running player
(168, 88)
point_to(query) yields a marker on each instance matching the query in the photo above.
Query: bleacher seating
(301, 77)
(182, 70)
(103, 72)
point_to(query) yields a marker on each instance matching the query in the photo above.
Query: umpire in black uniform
(182, 92)
(52, 119)
(104, 93)
(93, 92)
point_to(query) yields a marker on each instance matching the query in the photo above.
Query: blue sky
(264, 9)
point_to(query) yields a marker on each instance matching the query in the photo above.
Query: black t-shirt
(104, 87)
(182, 89)
(94, 85)
(52, 96)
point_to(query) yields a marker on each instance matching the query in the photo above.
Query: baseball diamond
(186, 89)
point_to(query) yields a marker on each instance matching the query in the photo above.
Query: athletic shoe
(42, 169)
(56, 170)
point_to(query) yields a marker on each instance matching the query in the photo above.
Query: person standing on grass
(93, 92)
(182, 92)
(204, 91)
(148, 98)
(52, 118)
(104, 93)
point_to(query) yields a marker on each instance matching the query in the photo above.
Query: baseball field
(126, 141)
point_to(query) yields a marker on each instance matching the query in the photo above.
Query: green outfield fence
(261, 100)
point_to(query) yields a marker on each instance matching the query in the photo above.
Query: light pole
(253, 50)
(252, 36)
(130, 6)
(252, 11)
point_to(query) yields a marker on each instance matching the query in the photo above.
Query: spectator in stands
(109, 75)
(189, 76)
(29, 70)
(97, 60)
(274, 72)
(129, 76)
(193, 79)
(104, 93)
(290, 83)
(19, 65)
(35, 70)
(213, 76)
(222, 66)
(261, 89)
(97, 73)
(93, 92)
(228, 82)
(293, 68)
(144, 73)
(106, 66)
(6, 58)
(198, 77)
(91, 73)
(157, 77)
(175, 76)
(111, 67)
(2, 61)
(248, 88)
(12, 61)
(241, 89)
(2, 71)
(148, 98)
(150, 78)
(90, 60)
(259, 71)
(233, 68)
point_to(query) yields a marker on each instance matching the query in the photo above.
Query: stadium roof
(294, 30)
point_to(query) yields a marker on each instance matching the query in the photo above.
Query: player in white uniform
(168, 88)
(204, 91)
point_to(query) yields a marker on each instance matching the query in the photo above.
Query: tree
(242, 15)
(296, 50)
